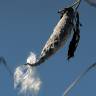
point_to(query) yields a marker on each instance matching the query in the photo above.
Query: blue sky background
(25, 25)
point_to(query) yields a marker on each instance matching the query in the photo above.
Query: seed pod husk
(60, 35)
(75, 40)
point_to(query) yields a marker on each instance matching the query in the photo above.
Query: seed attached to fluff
(26, 77)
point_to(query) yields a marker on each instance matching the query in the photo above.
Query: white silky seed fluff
(26, 78)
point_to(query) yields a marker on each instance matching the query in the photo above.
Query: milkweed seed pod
(60, 34)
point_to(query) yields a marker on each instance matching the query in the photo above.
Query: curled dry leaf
(75, 40)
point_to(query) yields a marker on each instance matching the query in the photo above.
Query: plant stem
(3, 61)
(69, 88)
(77, 2)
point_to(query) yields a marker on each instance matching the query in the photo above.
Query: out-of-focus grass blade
(91, 2)
(3, 61)
(69, 88)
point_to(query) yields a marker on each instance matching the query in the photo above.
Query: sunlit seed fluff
(26, 78)
(32, 58)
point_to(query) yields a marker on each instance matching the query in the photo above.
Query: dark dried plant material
(75, 39)
(3, 61)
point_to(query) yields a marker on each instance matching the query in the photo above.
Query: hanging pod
(60, 35)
